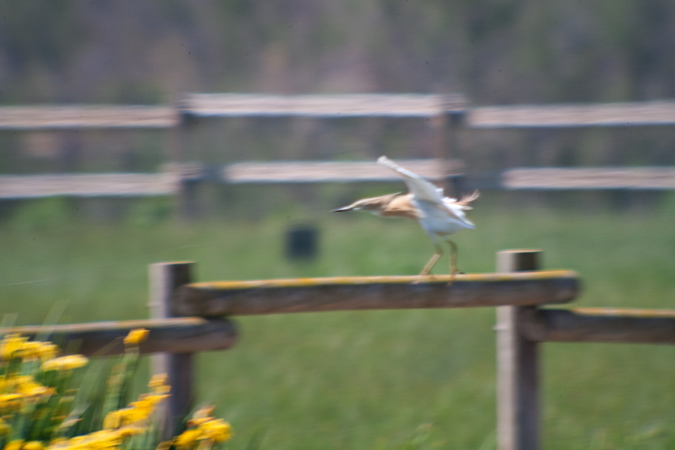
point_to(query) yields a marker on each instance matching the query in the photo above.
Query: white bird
(438, 215)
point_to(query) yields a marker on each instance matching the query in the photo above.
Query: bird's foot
(423, 278)
(453, 276)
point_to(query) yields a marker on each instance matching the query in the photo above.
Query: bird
(438, 215)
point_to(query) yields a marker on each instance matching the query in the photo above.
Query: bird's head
(374, 205)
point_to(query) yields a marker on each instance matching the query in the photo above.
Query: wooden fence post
(449, 124)
(190, 180)
(517, 365)
(165, 278)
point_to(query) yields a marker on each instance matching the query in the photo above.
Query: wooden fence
(450, 113)
(176, 179)
(198, 106)
(518, 290)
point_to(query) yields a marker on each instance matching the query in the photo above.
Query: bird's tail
(466, 199)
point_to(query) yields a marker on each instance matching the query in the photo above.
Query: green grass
(389, 379)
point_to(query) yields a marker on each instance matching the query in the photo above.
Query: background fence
(449, 117)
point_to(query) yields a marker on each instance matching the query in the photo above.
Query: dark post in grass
(165, 279)
(517, 365)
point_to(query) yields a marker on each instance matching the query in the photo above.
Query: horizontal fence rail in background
(89, 185)
(171, 181)
(321, 106)
(571, 115)
(330, 171)
(46, 117)
(550, 178)
(416, 105)
(451, 112)
(58, 117)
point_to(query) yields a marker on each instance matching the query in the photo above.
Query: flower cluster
(203, 431)
(27, 392)
(14, 347)
(138, 413)
(121, 424)
(34, 391)
(38, 403)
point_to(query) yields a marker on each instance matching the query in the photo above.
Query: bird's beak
(343, 209)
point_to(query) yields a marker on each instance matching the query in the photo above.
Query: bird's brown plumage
(439, 216)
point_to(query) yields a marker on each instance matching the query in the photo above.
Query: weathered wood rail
(425, 105)
(173, 177)
(518, 290)
(175, 335)
(63, 117)
(606, 325)
(451, 114)
(172, 181)
(228, 298)
(89, 185)
(195, 106)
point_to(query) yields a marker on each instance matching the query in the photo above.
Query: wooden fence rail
(518, 289)
(451, 114)
(177, 335)
(600, 325)
(172, 181)
(195, 106)
(424, 105)
(61, 117)
(357, 293)
(88, 185)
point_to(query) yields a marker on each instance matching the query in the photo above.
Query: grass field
(378, 380)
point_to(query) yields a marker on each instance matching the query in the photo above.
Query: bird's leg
(453, 258)
(453, 261)
(432, 262)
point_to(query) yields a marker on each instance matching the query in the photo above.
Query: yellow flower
(14, 445)
(137, 413)
(136, 336)
(16, 346)
(11, 345)
(33, 445)
(126, 432)
(123, 417)
(143, 407)
(30, 350)
(28, 387)
(48, 351)
(10, 401)
(65, 363)
(113, 420)
(186, 440)
(98, 440)
(216, 430)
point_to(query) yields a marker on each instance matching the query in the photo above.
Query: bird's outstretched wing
(420, 188)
